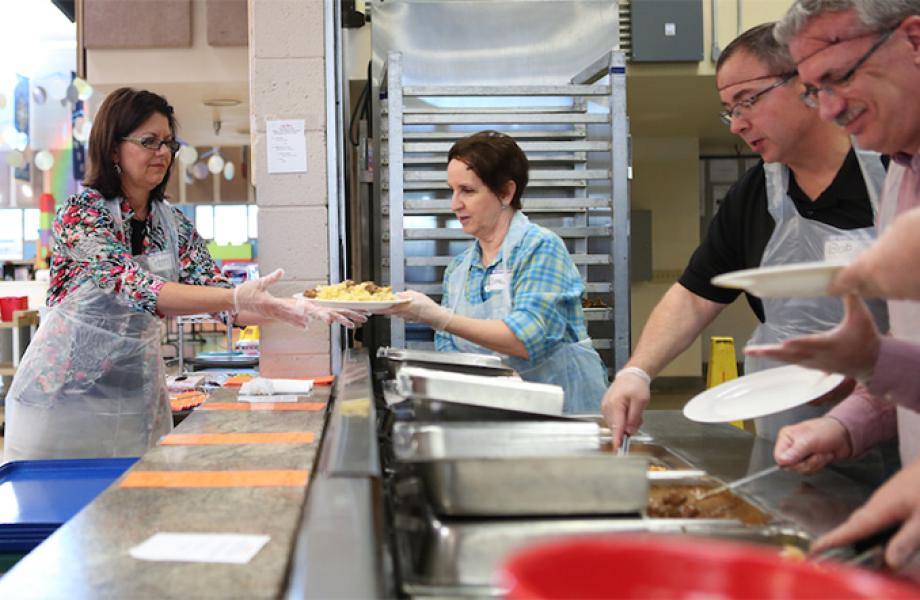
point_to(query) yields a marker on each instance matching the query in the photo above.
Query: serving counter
(340, 535)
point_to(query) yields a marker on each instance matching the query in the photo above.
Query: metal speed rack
(576, 138)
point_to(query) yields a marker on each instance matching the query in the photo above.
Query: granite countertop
(88, 556)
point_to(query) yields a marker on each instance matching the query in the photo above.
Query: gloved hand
(421, 309)
(252, 296)
(624, 402)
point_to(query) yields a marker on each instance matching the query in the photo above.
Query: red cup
(10, 304)
(7, 305)
(631, 566)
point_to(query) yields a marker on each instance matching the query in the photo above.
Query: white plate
(801, 280)
(362, 305)
(761, 393)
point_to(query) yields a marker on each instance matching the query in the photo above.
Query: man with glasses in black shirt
(808, 193)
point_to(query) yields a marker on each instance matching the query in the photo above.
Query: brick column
(286, 74)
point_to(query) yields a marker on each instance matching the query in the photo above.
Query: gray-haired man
(859, 61)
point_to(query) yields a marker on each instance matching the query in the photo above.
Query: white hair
(873, 15)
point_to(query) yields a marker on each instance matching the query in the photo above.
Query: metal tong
(624, 446)
(738, 482)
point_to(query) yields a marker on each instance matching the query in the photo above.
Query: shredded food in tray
(366, 291)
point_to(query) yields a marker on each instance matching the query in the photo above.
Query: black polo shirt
(741, 228)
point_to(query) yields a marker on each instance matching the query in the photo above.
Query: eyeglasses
(810, 95)
(738, 109)
(154, 143)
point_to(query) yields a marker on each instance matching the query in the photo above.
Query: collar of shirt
(848, 184)
(476, 261)
(911, 161)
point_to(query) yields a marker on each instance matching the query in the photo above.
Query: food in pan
(366, 291)
(680, 502)
(592, 303)
(793, 553)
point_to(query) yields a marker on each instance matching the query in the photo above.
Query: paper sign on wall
(287, 146)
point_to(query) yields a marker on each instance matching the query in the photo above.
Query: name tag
(159, 262)
(498, 280)
(844, 250)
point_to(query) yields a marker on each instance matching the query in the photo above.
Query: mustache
(844, 118)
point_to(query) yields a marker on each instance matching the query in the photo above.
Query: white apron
(796, 239)
(575, 366)
(904, 315)
(92, 382)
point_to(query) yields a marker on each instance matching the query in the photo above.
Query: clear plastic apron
(92, 382)
(575, 366)
(905, 314)
(796, 239)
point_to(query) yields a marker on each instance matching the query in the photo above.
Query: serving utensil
(738, 483)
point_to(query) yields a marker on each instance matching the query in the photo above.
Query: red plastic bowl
(678, 567)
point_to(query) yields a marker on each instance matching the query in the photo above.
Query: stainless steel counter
(338, 547)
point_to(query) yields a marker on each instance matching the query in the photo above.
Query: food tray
(474, 390)
(38, 496)
(683, 486)
(463, 557)
(422, 441)
(547, 485)
(435, 441)
(459, 362)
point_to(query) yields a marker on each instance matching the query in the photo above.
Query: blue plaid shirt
(546, 293)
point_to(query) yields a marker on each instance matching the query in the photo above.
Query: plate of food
(760, 394)
(365, 296)
(799, 280)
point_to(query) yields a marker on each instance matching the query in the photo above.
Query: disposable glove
(421, 309)
(252, 296)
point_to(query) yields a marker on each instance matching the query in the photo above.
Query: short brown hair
(759, 42)
(122, 111)
(496, 159)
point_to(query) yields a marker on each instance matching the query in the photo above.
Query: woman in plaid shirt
(515, 292)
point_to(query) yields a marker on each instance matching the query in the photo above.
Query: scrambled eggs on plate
(366, 291)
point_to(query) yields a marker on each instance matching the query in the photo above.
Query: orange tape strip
(303, 406)
(215, 479)
(202, 439)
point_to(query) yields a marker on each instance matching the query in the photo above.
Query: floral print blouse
(89, 246)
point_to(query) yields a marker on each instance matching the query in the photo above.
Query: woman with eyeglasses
(92, 382)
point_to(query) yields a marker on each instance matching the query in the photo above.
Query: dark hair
(759, 42)
(496, 159)
(122, 111)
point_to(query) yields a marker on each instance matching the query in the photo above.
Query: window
(231, 224)
(10, 234)
(204, 221)
(30, 224)
(253, 218)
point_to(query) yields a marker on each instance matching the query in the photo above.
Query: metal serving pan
(460, 362)
(474, 390)
(421, 441)
(463, 557)
(573, 484)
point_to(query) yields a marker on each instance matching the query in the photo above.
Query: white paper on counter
(265, 386)
(280, 398)
(287, 146)
(230, 548)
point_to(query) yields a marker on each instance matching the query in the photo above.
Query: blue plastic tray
(38, 496)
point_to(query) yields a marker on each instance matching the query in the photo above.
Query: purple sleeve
(895, 376)
(868, 419)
